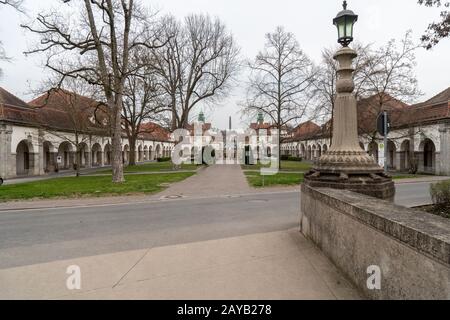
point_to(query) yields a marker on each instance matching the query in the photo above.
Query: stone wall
(411, 248)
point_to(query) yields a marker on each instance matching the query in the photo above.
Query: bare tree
(92, 42)
(281, 81)
(391, 82)
(82, 116)
(197, 65)
(16, 4)
(143, 102)
(390, 74)
(325, 82)
(436, 30)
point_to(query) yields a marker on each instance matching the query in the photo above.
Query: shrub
(440, 194)
(284, 157)
(164, 159)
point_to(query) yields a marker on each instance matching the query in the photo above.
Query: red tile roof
(401, 114)
(305, 130)
(155, 132)
(64, 110)
(16, 110)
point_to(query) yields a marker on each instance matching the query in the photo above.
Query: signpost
(384, 127)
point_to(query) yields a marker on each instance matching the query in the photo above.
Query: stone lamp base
(378, 185)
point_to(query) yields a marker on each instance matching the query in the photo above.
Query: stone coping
(425, 232)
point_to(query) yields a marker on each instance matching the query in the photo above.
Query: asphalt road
(44, 235)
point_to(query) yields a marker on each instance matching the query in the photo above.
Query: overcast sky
(249, 20)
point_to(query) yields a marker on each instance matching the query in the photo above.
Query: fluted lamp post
(346, 165)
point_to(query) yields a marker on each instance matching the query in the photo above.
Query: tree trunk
(132, 160)
(117, 164)
(78, 165)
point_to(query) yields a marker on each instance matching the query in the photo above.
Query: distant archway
(140, 154)
(66, 155)
(146, 155)
(429, 155)
(24, 158)
(373, 150)
(391, 154)
(96, 155)
(158, 151)
(405, 158)
(108, 154)
(84, 154)
(126, 154)
(49, 156)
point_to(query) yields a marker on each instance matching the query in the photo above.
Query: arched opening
(108, 155)
(140, 154)
(84, 154)
(24, 158)
(405, 155)
(66, 156)
(97, 159)
(308, 154)
(49, 157)
(324, 148)
(314, 152)
(429, 156)
(373, 150)
(319, 151)
(146, 156)
(126, 154)
(303, 150)
(158, 151)
(391, 155)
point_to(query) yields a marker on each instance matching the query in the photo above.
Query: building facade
(419, 136)
(37, 138)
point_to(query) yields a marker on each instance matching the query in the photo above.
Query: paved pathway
(211, 181)
(276, 265)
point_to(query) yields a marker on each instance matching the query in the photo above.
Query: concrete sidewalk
(277, 265)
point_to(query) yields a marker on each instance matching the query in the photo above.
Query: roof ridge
(16, 101)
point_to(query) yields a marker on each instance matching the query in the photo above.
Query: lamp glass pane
(349, 28)
(341, 30)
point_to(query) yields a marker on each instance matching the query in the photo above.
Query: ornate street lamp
(344, 22)
(346, 165)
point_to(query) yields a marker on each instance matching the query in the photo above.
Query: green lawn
(72, 187)
(255, 179)
(153, 167)
(285, 166)
(287, 178)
